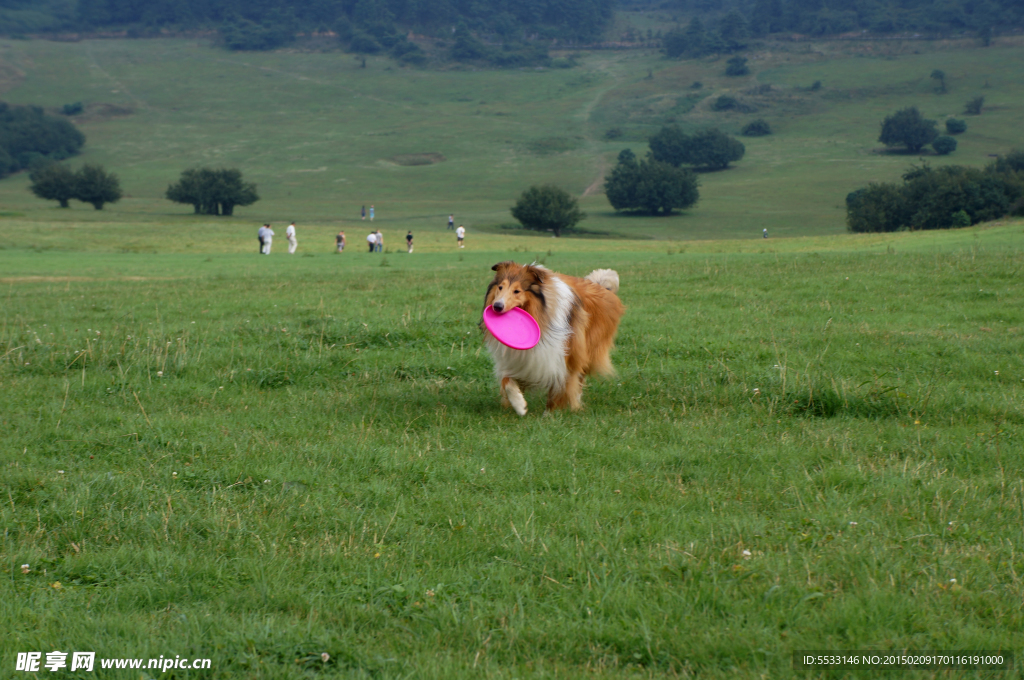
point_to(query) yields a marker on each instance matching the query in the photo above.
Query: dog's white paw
(518, 402)
(515, 398)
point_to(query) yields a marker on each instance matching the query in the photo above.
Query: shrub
(960, 219)
(72, 109)
(756, 128)
(547, 208)
(613, 133)
(955, 126)
(908, 128)
(725, 103)
(944, 145)
(973, 107)
(650, 186)
(815, 86)
(737, 66)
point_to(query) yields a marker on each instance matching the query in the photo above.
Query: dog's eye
(501, 287)
(517, 292)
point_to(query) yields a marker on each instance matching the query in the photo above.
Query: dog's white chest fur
(542, 367)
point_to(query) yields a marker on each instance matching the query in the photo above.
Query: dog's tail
(606, 278)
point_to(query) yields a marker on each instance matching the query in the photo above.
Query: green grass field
(813, 442)
(259, 460)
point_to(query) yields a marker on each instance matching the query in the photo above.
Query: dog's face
(515, 286)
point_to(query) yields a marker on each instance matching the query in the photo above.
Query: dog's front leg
(512, 396)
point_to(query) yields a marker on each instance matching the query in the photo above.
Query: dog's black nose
(498, 305)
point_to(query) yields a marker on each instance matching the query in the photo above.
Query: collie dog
(578, 319)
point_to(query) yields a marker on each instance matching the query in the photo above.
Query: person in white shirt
(260, 235)
(371, 240)
(460, 234)
(289, 233)
(268, 239)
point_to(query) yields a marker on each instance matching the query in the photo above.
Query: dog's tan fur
(583, 312)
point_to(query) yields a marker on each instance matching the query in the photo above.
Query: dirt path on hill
(597, 185)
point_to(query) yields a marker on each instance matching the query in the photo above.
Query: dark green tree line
(943, 198)
(827, 17)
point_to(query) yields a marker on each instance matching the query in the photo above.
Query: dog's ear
(539, 273)
(501, 265)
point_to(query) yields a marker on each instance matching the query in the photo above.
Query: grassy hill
(322, 136)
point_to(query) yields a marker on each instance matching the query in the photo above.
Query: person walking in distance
(408, 241)
(268, 239)
(261, 235)
(371, 240)
(371, 213)
(289, 234)
(339, 241)
(380, 240)
(764, 234)
(451, 222)
(460, 234)
(364, 212)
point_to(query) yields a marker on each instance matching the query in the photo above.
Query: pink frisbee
(514, 328)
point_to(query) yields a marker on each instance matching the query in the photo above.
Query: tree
(669, 145)
(944, 145)
(877, 207)
(908, 128)
(955, 126)
(973, 107)
(674, 43)
(708, 149)
(547, 208)
(620, 185)
(756, 128)
(734, 31)
(696, 38)
(1012, 162)
(232, 191)
(53, 182)
(941, 77)
(95, 185)
(28, 135)
(212, 192)
(737, 66)
(767, 17)
(650, 186)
